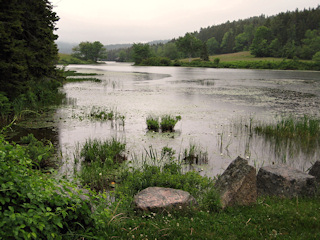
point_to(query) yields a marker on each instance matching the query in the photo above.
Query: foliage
(66, 59)
(90, 51)
(29, 53)
(189, 45)
(153, 123)
(168, 122)
(261, 42)
(34, 205)
(156, 61)
(5, 106)
(213, 46)
(140, 52)
(102, 159)
(195, 155)
(40, 152)
(316, 57)
(303, 132)
(204, 52)
(108, 151)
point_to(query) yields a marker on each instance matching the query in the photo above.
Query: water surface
(211, 102)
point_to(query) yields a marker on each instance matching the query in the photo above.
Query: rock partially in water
(315, 171)
(285, 181)
(237, 185)
(157, 198)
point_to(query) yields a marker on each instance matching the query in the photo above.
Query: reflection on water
(210, 102)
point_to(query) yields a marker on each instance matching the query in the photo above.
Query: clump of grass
(166, 123)
(195, 155)
(105, 114)
(102, 160)
(153, 123)
(109, 151)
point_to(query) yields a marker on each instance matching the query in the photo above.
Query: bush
(31, 207)
(156, 61)
(41, 153)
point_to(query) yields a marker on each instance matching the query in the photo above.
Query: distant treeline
(287, 35)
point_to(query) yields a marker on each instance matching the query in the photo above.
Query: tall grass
(303, 132)
(195, 155)
(101, 161)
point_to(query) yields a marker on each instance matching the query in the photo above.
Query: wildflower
(177, 224)
(100, 174)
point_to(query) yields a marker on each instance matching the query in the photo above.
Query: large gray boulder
(157, 198)
(315, 171)
(284, 181)
(237, 185)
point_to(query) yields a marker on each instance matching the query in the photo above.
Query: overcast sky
(133, 21)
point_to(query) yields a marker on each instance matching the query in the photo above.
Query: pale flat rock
(155, 198)
(285, 181)
(237, 185)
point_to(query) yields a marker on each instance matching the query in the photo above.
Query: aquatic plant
(110, 152)
(302, 132)
(105, 114)
(195, 155)
(153, 123)
(168, 123)
(102, 159)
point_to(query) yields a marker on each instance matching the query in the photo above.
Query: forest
(29, 78)
(288, 35)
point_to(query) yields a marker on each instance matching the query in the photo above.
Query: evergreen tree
(28, 52)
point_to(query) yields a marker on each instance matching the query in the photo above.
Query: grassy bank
(241, 60)
(36, 206)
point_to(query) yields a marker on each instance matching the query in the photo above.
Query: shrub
(31, 207)
(40, 152)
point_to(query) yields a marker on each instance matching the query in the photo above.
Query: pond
(216, 107)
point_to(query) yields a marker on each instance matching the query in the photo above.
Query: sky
(135, 21)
